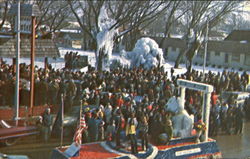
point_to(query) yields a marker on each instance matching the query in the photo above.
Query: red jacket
(214, 98)
(119, 102)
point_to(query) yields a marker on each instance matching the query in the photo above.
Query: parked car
(229, 96)
(71, 118)
(5, 156)
(9, 135)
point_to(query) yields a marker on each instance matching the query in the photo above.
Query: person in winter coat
(47, 123)
(43, 91)
(110, 131)
(108, 113)
(167, 129)
(223, 115)
(239, 116)
(214, 98)
(119, 125)
(131, 132)
(143, 131)
(70, 95)
(93, 128)
(230, 121)
(53, 91)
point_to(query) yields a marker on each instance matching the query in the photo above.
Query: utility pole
(17, 62)
(205, 53)
(32, 59)
(62, 119)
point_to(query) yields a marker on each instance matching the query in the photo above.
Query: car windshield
(226, 96)
(4, 124)
(75, 111)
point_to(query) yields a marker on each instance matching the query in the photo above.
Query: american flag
(78, 134)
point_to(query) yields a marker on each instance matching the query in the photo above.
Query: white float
(206, 89)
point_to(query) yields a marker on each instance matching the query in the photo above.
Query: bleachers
(44, 48)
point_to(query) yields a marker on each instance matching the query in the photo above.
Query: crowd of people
(118, 108)
(72, 60)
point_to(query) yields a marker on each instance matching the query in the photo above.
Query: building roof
(234, 47)
(213, 33)
(5, 36)
(25, 10)
(44, 48)
(239, 35)
(72, 35)
(171, 42)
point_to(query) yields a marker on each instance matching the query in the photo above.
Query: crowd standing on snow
(114, 93)
(72, 60)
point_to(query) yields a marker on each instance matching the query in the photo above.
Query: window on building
(199, 55)
(22, 27)
(236, 58)
(174, 48)
(226, 58)
(247, 60)
(217, 53)
(208, 56)
(165, 52)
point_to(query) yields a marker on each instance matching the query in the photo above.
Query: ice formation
(182, 121)
(146, 53)
(105, 38)
(120, 61)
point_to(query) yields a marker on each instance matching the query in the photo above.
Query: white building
(226, 53)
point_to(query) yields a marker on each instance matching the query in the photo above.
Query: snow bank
(57, 63)
(63, 51)
(146, 53)
(117, 61)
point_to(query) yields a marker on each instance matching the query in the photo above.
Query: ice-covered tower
(105, 39)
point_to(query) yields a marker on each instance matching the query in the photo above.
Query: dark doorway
(226, 58)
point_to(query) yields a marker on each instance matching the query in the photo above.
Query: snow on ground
(122, 60)
(58, 63)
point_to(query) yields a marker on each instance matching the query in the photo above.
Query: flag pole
(16, 100)
(80, 119)
(62, 101)
(80, 109)
(205, 53)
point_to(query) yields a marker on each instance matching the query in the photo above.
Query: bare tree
(127, 16)
(54, 15)
(196, 16)
(176, 10)
(4, 7)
